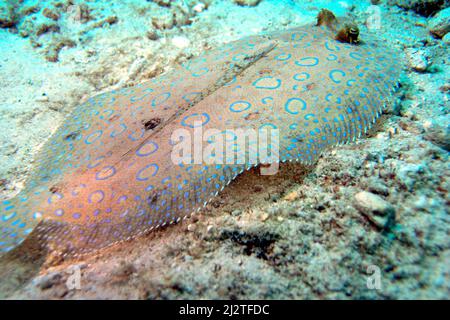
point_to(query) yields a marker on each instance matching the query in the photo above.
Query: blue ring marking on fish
(58, 212)
(165, 96)
(147, 91)
(261, 127)
(355, 55)
(91, 166)
(298, 37)
(283, 57)
(305, 76)
(333, 75)
(122, 199)
(8, 217)
(330, 48)
(204, 114)
(309, 116)
(332, 57)
(103, 173)
(131, 135)
(200, 72)
(139, 173)
(229, 83)
(76, 215)
(58, 196)
(302, 46)
(115, 134)
(265, 99)
(145, 154)
(308, 62)
(278, 81)
(100, 192)
(351, 82)
(234, 107)
(291, 100)
(97, 134)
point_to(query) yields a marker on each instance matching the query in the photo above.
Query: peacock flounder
(108, 173)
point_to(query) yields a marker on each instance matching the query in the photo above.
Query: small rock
(162, 3)
(439, 25)
(248, 3)
(375, 208)
(7, 15)
(409, 174)
(236, 213)
(51, 14)
(418, 59)
(152, 35)
(210, 229)
(163, 22)
(180, 42)
(378, 187)
(47, 280)
(258, 188)
(79, 13)
(264, 217)
(42, 99)
(191, 227)
(124, 271)
(438, 131)
(291, 196)
(446, 39)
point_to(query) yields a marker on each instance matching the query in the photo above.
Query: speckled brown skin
(107, 174)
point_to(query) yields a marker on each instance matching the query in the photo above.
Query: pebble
(180, 42)
(210, 229)
(375, 208)
(438, 131)
(236, 213)
(42, 99)
(446, 39)
(417, 59)
(439, 25)
(191, 227)
(291, 196)
(249, 3)
(48, 280)
(152, 35)
(199, 7)
(378, 187)
(7, 17)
